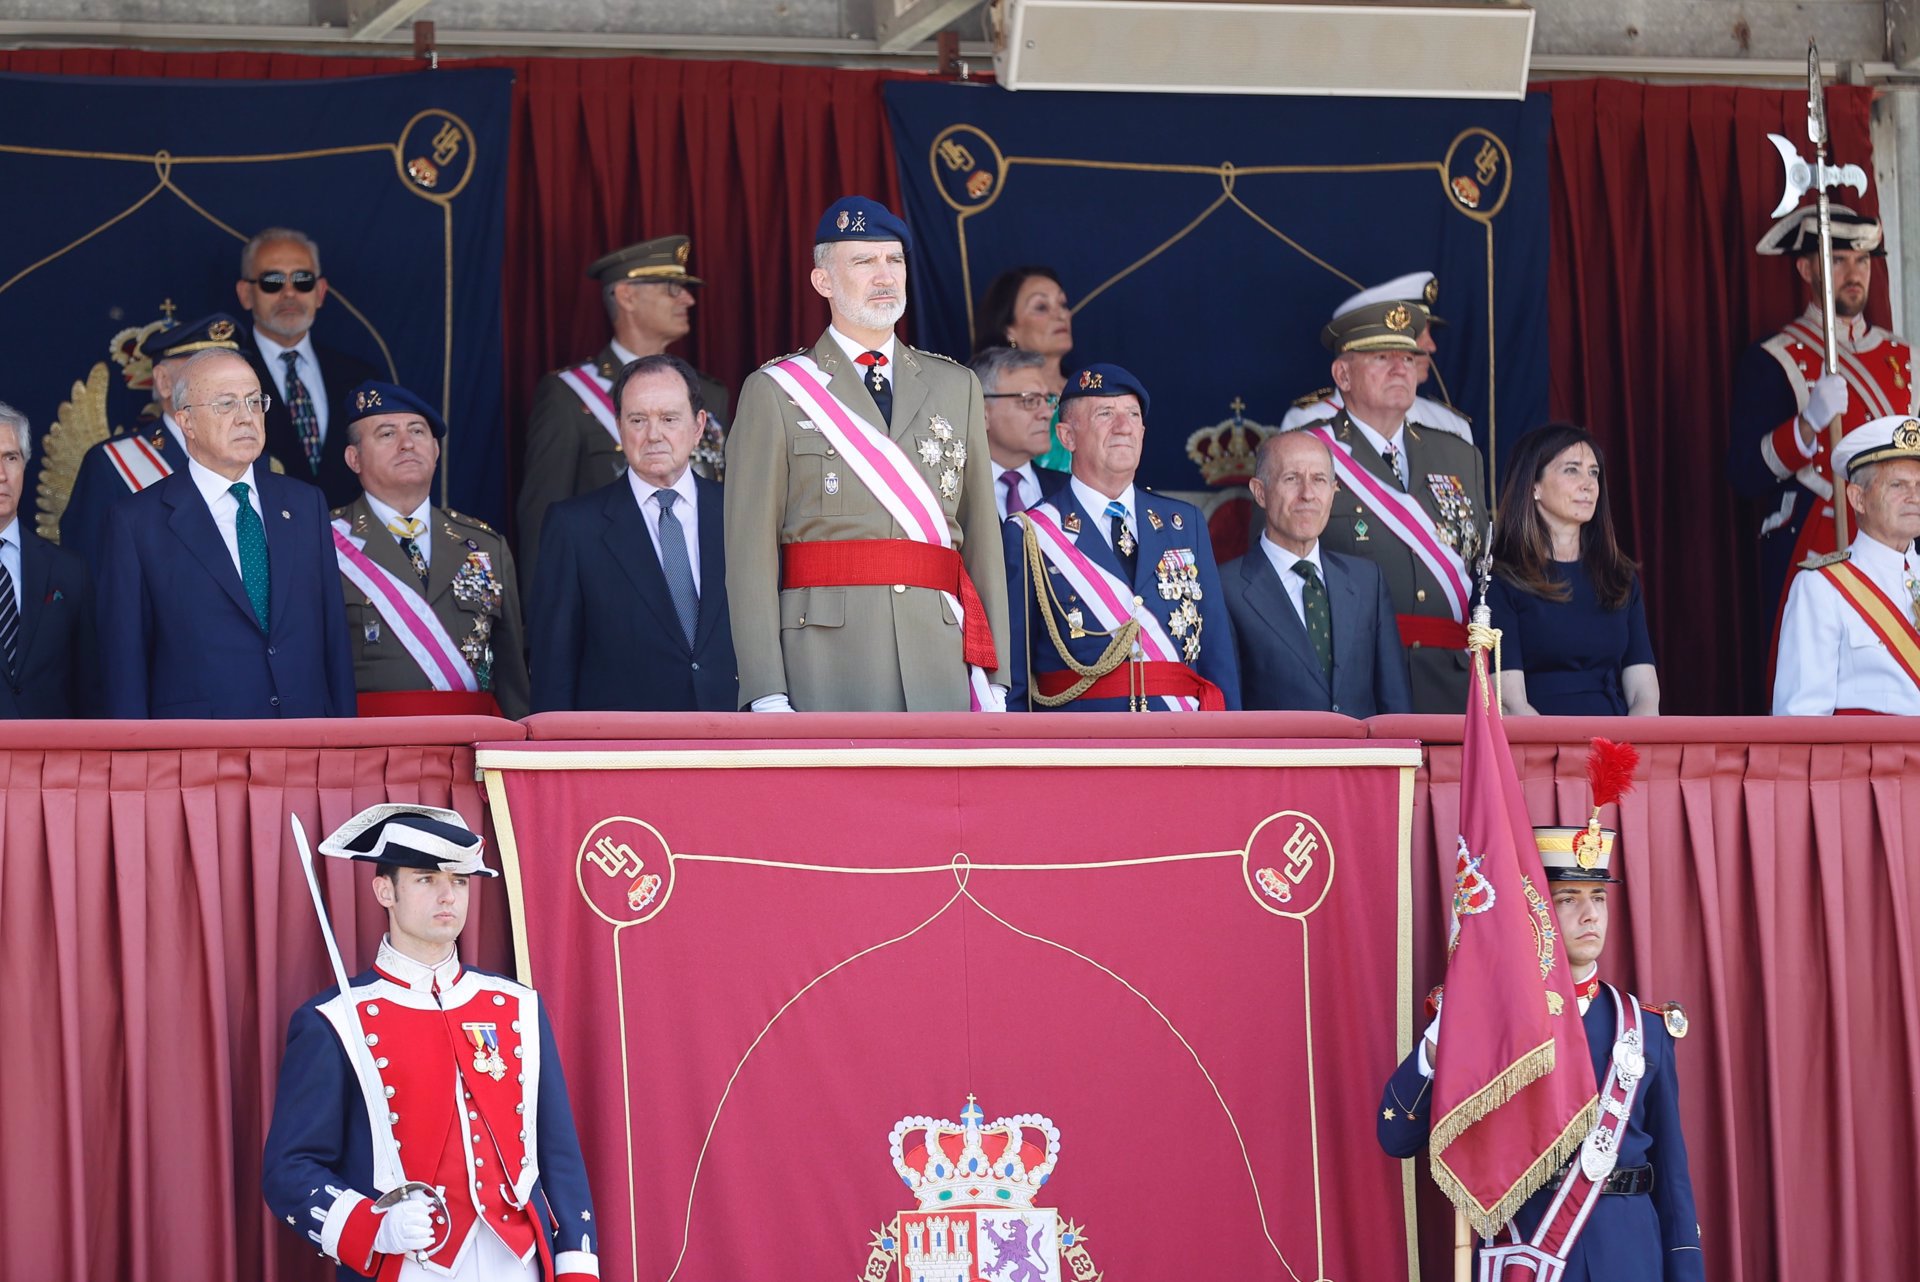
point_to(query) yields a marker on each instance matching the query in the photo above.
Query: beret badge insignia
(220, 331)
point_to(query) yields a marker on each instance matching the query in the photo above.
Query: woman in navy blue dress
(1565, 597)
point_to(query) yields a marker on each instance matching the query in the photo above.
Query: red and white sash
(137, 462)
(1111, 601)
(1409, 522)
(408, 616)
(884, 469)
(595, 393)
(1543, 1257)
(1878, 401)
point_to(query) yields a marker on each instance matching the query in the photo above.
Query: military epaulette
(464, 519)
(1670, 1012)
(337, 513)
(1822, 562)
(1312, 399)
(789, 356)
(921, 351)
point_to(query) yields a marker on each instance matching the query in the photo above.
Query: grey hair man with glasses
(282, 288)
(218, 592)
(1020, 413)
(573, 433)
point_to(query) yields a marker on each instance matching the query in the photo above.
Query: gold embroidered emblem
(1090, 381)
(1907, 435)
(1399, 318)
(220, 331)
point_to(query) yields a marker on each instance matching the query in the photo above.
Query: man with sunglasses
(573, 433)
(1019, 426)
(282, 286)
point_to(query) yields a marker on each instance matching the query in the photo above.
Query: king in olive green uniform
(469, 585)
(1375, 368)
(869, 647)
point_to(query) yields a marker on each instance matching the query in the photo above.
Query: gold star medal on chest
(485, 1039)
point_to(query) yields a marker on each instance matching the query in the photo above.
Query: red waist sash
(860, 563)
(1432, 631)
(1151, 679)
(427, 703)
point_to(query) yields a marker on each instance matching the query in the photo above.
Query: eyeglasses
(1028, 400)
(227, 406)
(274, 282)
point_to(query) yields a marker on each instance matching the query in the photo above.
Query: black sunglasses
(274, 282)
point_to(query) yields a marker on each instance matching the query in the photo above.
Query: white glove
(406, 1226)
(996, 699)
(771, 703)
(1826, 401)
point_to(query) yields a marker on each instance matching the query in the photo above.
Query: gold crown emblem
(1466, 191)
(128, 350)
(680, 254)
(220, 331)
(424, 172)
(1090, 381)
(1907, 435)
(1225, 451)
(1398, 317)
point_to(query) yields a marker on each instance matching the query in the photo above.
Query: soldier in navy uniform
(424, 1041)
(1149, 554)
(124, 465)
(1642, 1227)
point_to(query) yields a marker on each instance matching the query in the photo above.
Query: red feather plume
(1610, 768)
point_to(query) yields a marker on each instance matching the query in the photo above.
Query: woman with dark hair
(1026, 308)
(1565, 597)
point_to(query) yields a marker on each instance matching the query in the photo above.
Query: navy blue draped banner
(1204, 240)
(129, 201)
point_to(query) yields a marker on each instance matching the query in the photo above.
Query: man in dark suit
(1019, 426)
(46, 618)
(218, 591)
(1315, 629)
(629, 605)
(281, 285)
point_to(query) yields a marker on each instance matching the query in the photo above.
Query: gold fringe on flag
(1488, 1220)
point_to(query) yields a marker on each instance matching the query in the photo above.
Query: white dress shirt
(1283, 562)
(686, 511)
(1094, 504)
(10, 557)
(224, 506)
(1829, 657)
(423, 514)
(1380, 443)
(309, 368)
(854, 352)
(1029, 485)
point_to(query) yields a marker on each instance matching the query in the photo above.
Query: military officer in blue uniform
(421, 1126)
(1116, 599)
(1642, 1227)
(113, 469)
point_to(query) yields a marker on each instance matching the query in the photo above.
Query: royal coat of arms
(975, 1182)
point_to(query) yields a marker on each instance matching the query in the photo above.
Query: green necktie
(252, 539)
(1313, 600)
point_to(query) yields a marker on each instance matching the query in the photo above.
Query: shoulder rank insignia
(337, 513)
(1312, 399)
(1670, 1012)
(787, 357)
(473, 521)
(1821, 562)
(921, 351)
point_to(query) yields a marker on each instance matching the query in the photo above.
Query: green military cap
(1389, 326)
(662, 260)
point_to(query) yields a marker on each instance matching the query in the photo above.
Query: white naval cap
(1885, 438)
(1799, 232)
(1415, 287)
(408, 836)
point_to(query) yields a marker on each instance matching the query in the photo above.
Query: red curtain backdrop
(157, 933)
(1659, 194)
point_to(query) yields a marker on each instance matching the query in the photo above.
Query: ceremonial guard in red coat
(421, 1127)
(1783, 404)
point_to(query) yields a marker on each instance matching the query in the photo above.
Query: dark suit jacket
(601, 623)
(1278, 668)
(56, 673)
(1050, 478)
(177, 632)
(341, 373)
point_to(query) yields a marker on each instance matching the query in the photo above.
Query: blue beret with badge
(218, 332)
(861, 218)
(1104, 380)
(373, 398)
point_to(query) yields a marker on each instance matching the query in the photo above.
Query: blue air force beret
(409, 836)
(218, 332)
(1104, 380)
(861, 218)
(374, 398)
